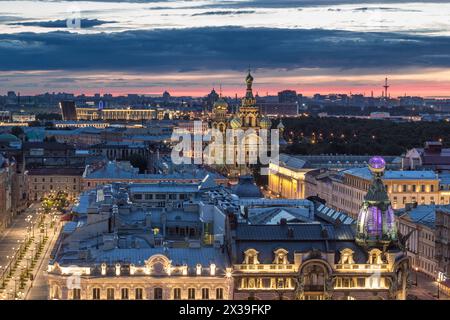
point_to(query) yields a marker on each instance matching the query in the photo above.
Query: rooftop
(393, 174)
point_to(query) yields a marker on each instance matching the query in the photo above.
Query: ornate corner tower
(376, 225)
(249, 113)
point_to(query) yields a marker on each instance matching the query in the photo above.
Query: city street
(10, 240)
(426, 288)
(26, 251)
(38, 289)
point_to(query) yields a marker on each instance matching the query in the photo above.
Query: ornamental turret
(376, 224)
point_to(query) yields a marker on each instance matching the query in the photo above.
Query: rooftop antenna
(386, 87)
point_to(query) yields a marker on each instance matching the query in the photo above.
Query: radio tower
(386, 86)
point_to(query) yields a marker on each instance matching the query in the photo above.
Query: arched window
(346, 256)
(205, 293)
(191, 293)
(139, 293)
(375, 256)
(176, 293)
(76, 293)
(96, 293)
(314, 277)
(56, 292)
(110, 293)
(219, 293)
(251, 256)
(158, 293)
(280, 256)
(124, 293)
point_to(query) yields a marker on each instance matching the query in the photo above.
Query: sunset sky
(189, 47)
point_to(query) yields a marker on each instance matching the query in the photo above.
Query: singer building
(203, 241)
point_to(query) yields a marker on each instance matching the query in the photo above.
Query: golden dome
(249, 78)
(265, 123)
(221, 104)
(235, 123)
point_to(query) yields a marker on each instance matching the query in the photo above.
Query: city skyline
(189, 47)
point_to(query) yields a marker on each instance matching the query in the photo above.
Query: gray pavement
(426, 288)
(11, 237)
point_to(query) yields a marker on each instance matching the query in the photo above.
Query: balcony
(361, 267)
(313, 288)
(265, 267)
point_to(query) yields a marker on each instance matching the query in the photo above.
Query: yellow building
(287, 178)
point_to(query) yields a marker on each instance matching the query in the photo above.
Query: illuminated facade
(248, 119)
(142, 241)
(317, 261)
(288, 265)
(203, 241)
(376, 223)
(287, 177)
(348, 188)
(124, 114)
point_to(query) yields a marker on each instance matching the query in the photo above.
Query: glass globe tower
(376, 224)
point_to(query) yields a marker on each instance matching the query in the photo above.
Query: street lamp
(438, 291)
(417, 270)
(15, 287)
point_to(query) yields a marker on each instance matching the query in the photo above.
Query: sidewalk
(29, 262)
(38, 289)
(426, 288)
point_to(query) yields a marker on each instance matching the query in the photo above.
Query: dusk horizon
(236, 157)
(189, 47)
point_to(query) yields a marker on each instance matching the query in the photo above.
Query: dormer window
(280, 257)
(103, 269)
(346, 256)
(375, 256)
(251, 256)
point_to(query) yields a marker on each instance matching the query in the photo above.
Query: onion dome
(376, 224)
(221, 104)
(236, 123)
(249, 78)
(280, 125)
(265, 123)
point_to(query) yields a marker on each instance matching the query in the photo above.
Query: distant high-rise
(68, 110)
(287, 96)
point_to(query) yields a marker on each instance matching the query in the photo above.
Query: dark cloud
(84, 23)
(228, 48)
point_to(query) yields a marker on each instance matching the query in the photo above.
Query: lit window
(191, 293)
(96, 294)
(158, 293)
(124, 292)
(76, 293)
(205, 293)
(176, 293)
(139, 294)
(219, 293)
(110, 293)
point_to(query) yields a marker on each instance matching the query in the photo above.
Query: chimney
(324, 233)
(290, 233)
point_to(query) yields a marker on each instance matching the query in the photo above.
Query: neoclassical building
(164, 275)
(142, 241)
(203, 241)
(317, 261)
